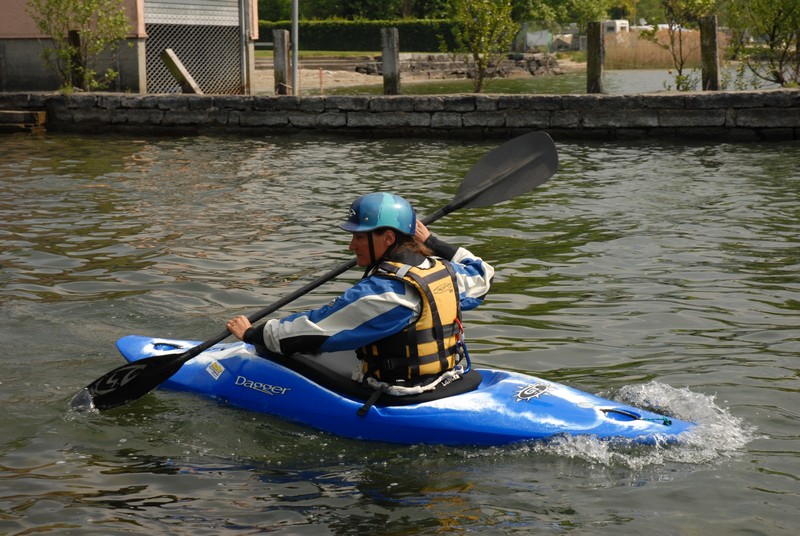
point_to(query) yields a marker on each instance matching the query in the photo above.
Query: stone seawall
(718, 116)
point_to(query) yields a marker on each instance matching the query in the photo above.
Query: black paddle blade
(128, 382)
(512, 169)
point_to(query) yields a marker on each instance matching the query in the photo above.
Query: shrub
(333, 35)
(81, 30)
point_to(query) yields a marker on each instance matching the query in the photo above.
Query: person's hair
(404, 242)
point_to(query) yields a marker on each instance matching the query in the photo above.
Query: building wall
(22, 67)
(16, 23)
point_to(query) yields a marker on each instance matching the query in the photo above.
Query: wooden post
(75, 71)
(595, 56)
(390, 41)
(709, 53)
(179, 72)
(295, 47)
(280, 55)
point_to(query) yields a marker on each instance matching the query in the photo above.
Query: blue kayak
(484, 407)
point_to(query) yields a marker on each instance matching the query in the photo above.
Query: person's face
(359, 245)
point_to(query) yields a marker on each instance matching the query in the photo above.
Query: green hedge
(415, 35)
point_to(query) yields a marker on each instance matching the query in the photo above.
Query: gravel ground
(311, 80)
(314, 79)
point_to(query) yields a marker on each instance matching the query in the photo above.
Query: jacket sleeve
(373, 309)
(474, 275)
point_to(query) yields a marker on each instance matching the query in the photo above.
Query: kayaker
(403, 317)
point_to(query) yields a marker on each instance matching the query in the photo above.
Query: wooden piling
(390, 41)
(595, 56)
(280, 51)
(709, 53)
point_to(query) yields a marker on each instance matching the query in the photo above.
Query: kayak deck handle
(619, 414)
(167, 346)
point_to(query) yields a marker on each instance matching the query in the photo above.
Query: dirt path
(312, 80)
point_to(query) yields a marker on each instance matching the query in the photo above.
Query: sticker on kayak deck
(215, 369)
(531, 391)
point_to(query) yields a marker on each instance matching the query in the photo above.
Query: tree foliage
(585, 11)
(767, 36)
(81, 31)
(648, 10)
(483, 32)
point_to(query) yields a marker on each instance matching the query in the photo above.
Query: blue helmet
(379, 211)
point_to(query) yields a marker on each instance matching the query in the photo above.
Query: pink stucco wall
(16, 23)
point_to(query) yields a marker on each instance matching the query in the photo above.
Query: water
(665, 275)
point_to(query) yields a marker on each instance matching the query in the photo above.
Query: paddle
(511, 169)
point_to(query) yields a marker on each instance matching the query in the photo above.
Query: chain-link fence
(211, 54)
(206, 36)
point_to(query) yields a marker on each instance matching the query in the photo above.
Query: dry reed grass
(631, 51)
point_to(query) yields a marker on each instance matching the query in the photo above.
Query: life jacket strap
(373, 398)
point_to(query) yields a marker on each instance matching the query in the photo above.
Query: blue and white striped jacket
(372, 309)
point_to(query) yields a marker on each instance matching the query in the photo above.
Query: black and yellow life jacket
(427, 347)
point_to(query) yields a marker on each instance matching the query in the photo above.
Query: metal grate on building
(206, 35)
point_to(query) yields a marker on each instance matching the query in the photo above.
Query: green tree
(583, 12)
(545, 12)
(623, 9)
(649, 10)
(483, 33)
(766, 34)
(81, 31)
(274, 10)
(555, 14)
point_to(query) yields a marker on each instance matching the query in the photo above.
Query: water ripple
(665, 275)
